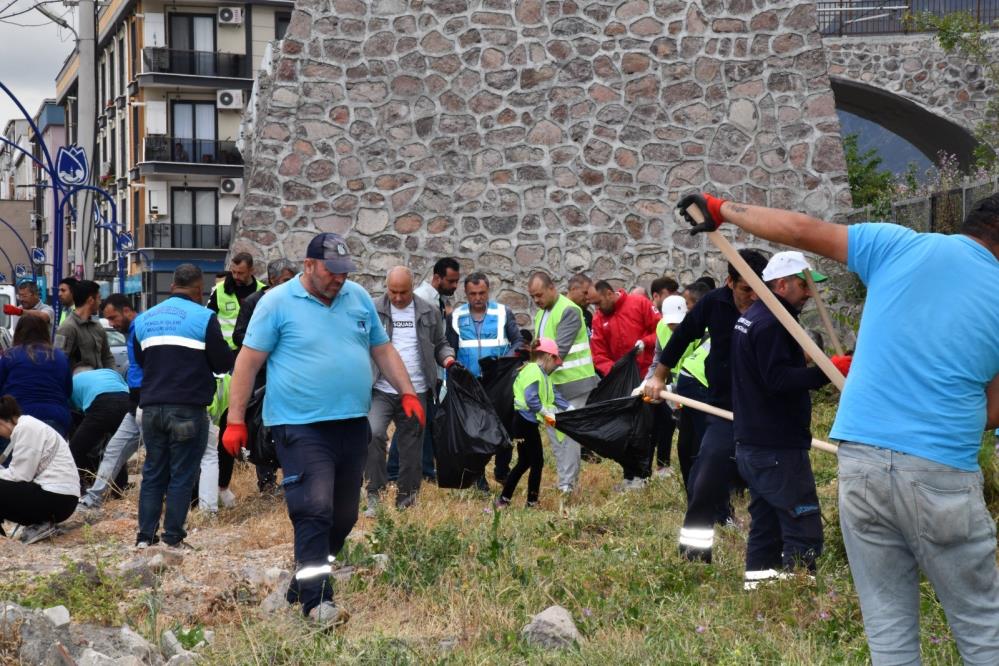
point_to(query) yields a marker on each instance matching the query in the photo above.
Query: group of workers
(340, 367)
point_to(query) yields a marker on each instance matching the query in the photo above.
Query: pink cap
(548, 346)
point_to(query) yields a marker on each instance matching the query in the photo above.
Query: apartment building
(173, 81)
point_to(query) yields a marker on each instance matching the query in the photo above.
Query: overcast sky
(30, 57)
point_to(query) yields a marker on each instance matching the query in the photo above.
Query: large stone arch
(909, 85)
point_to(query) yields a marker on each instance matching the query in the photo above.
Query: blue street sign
(3, 277)
(124, 241)
(71, 165)
(20, 270)
(133, 284)
(38, 255)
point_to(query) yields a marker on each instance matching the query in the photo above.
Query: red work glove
(710, 208)
(448, 362)
(550, 420)
(842, 363)
(13, 310)
(411, 407)
(234, 438)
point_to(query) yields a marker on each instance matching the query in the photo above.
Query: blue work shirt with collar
(319, 356)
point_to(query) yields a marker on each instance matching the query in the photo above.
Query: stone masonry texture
(520, 135)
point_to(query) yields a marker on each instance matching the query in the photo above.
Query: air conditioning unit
(231, 186)
(230, 16)
(229, 99)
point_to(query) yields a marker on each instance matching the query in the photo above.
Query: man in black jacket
(714, 469)
(773, 415)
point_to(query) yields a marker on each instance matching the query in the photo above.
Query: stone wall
(536, 135)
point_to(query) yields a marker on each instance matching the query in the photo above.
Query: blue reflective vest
(488, 339)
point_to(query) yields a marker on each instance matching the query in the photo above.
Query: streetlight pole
(86, 123)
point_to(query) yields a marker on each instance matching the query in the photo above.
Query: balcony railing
(201, 236)
(880, 17)
(159, 59)
(191, 151)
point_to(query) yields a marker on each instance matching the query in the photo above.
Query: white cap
(673, 309)
(787, 263)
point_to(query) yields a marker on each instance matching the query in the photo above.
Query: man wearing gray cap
(318, 335)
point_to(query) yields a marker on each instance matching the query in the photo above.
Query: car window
(4, 319)
(115, 338)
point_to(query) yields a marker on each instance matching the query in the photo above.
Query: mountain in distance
(895, 152)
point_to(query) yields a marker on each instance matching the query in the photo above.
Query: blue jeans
(429, 469)
(175, 438)
(901, 514)
(323, 466)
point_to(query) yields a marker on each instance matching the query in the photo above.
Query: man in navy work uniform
(773, 417)
(180, 347)
(318, 335)
(911, 418)
(714, 470)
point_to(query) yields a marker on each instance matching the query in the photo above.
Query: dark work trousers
(714, 473)
(100, 422)
(530, 458)
(691, 427)
(266, 475)
(26, 503)
(786, 527)
(663, 428)
(504, 456)
(323, 466)
(428, 464)
(386, 408)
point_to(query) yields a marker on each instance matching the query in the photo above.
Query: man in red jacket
(622, 321)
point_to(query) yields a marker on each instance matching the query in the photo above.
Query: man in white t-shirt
(417, 333)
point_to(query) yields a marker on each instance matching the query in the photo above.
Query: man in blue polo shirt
(318, 334)
(911, 418)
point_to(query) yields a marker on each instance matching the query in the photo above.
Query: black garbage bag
(467, 431)
(619, 382)
(618, 429)
(498, 375)
(259, 441)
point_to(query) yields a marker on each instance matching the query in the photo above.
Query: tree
(869, 185)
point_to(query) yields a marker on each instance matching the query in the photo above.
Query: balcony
(191, 151)
(161, 60)
(187, 236)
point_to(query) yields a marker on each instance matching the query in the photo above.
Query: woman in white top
(41, 486)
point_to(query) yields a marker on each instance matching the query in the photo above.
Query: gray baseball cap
(333, 250)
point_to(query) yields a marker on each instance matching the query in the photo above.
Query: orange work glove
(411, 407)
(842, 363)
(710, 207)
(234, 438)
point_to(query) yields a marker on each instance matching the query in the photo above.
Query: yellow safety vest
(578, 362)
(229, 310)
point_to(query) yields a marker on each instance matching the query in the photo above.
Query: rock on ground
(551, 628)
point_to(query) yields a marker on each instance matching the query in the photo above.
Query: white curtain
(204, 33)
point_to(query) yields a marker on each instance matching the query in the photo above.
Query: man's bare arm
(992, 404)
(248, 364)
(789, 228)
(390, 363)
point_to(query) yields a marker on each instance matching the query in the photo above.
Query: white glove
(640, 346)
(640, 389)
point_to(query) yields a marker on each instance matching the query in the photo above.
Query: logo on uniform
(362, 326)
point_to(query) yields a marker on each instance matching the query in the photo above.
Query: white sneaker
(664, 472)
(629, 485)
(372, 509)
(565, 490)
(329, 614)
(227, 497)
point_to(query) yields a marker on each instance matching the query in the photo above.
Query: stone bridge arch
(909, 85)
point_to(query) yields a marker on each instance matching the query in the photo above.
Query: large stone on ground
(551, 628)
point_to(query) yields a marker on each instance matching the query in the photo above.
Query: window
(121, 65)
(192, 44)
(194, 213)
(111, 77)
(281, 21)
(112, 156)
(103, 84)
(193, 132)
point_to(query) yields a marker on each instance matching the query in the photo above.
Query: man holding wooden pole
(714, 468)
(910, 418)
(773, 416)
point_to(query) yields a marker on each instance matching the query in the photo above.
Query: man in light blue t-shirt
(923, 387)
(318, 333)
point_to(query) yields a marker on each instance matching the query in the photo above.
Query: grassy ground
(462, 580)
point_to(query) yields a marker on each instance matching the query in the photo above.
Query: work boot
(329, 615)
